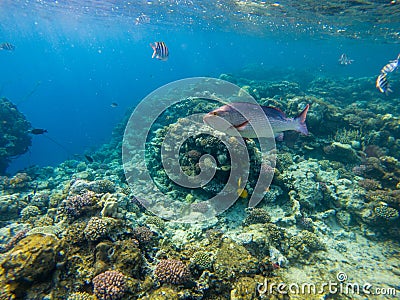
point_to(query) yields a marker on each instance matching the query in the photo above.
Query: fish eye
(214, 113)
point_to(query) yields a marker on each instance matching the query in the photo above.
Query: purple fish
(239, 118)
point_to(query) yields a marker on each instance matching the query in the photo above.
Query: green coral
(244, 289)
(47, 230)
(158, 222)
(29, 213)
(311, 240)
(102, 186)
(75, 233)
(162, 293)
(256, 215)
(96, 229)
(202, 260)
(44, 221)
(232, 260)
(386, 213)
(80, 296)
(274, 234)
(127, 256)
(284, 160)
(346, 136)
(303, 245)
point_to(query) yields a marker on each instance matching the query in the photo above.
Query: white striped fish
(160, 51)
(382, 84)
(7, 46)
(391, 66)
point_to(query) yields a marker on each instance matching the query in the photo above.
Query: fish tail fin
(154, 50)
(300, 121)
(388, 91)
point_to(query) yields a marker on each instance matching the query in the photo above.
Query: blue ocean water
(73, 59)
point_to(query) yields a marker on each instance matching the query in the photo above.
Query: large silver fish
(239, 118)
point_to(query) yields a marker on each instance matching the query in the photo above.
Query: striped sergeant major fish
(344, 60)
(142, 19)
(391, 66)
(7, 46)
(160, 51)
(382, 84)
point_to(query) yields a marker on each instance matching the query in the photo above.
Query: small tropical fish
(391, 66)
(142, 19)
(38, 131)
(229, 119)
(89, 158)
(160, 51)
(7, 46)
(344, 60)
(382, 84)
(241, 192)
(114, 104)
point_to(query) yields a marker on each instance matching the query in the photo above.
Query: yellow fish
(242, 192)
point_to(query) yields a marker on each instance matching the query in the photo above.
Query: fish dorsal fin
(273, 112)
(154, 47)
(242, 126)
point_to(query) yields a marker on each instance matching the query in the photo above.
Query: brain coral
(33, 258)
(202, 260)
(109, 285)
(172, 271)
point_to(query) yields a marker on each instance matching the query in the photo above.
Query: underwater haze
(102, 101)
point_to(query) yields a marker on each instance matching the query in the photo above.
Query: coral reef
(201, 260)
(80, 296)
(143, 234)
(109, 285)
(386, 213)
(75, 205)
(32, 260)
(15, 139)
(172, 271)
(96, 229)
(256, 215)
(333, 204)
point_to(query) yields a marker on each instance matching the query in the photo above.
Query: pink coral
(109, 285)
(172, 271)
